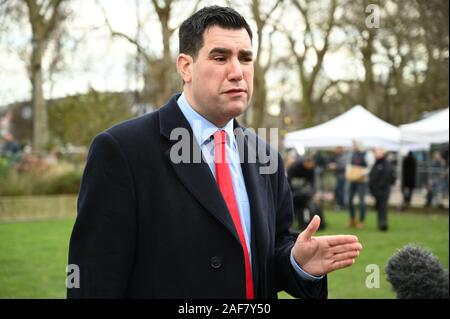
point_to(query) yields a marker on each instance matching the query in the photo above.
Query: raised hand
(323, 254)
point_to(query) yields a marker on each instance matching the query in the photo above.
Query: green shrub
(62, 178)
(5, 167)
(14, 184)
(67, 183)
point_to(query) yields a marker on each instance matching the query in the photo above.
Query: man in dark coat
(302, 183)
(163, 214)
(381, 177)
(409, 171)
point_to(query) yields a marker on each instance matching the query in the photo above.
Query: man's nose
(235, 70)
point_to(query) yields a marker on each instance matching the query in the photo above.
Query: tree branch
(321, 53)
(324, 91)
(148, 59)
(308, 32)
(54, 19)
(192, 12)
(268, 14)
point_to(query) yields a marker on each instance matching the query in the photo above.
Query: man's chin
(237, 108)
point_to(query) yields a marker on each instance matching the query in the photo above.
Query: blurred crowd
(358, 172)
(20, 157)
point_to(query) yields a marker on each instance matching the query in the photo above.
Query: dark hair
(192, 29)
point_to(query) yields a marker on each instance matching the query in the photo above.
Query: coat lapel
(195, 176)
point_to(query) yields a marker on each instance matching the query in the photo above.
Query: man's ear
(184, 66)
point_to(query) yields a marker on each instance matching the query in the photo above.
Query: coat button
(216, 262)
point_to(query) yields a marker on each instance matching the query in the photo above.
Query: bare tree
(433, 18)
(262, 21)
(362, 39)
(45, 18)
(404, 58)
(309, 79)
(160, 76)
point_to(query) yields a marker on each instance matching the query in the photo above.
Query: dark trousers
(359, 188)
(340, 191)
(381, 205)
(407, 195)
(301, 211)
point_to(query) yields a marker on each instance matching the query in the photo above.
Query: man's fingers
(347, 255)
(346, 247)
(313, 226)
(342, 264)
(341, 239)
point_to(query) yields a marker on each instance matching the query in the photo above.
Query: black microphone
(415, 273)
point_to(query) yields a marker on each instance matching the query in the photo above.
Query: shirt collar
(201, 127)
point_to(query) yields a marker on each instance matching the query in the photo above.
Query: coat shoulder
(135, 126)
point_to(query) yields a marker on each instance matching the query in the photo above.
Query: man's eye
(219, 59)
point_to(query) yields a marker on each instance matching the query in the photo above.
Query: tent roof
(433, 129)
(355, 124)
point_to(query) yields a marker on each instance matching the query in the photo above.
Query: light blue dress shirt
(203, 131)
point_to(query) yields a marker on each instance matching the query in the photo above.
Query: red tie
(223, 177)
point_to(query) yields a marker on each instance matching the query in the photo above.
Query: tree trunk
(259, 99)
(167, 63)
(307, 104)
(40, 118)
(43, 23)
(368, 86)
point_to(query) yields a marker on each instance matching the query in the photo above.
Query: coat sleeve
(287, 278)
(103, 238)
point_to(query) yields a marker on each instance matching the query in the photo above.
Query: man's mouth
(235, 91)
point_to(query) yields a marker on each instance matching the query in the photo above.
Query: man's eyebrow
(246, 53)
(220, 51)
(225, 51)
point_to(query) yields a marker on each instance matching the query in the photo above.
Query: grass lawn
(428, 230)
(33, 255)
(33, 258)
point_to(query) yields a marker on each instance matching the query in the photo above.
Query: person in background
(409, 172)
(291, 156)
(338, 166)
(301, 181)
(435, 182)
(10, 148)
(444, 152)
(381, 177)
(364, 160)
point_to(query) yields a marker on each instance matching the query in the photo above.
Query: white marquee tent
(355, 124)
(433, 129)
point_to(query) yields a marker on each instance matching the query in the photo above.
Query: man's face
(309, 164)
(219, 83)
(379, 153)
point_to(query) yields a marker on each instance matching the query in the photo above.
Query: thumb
(313, 226)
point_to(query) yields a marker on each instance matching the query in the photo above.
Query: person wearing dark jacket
(168, 208)
(301, 181)
(381, 178)
(409, 171)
